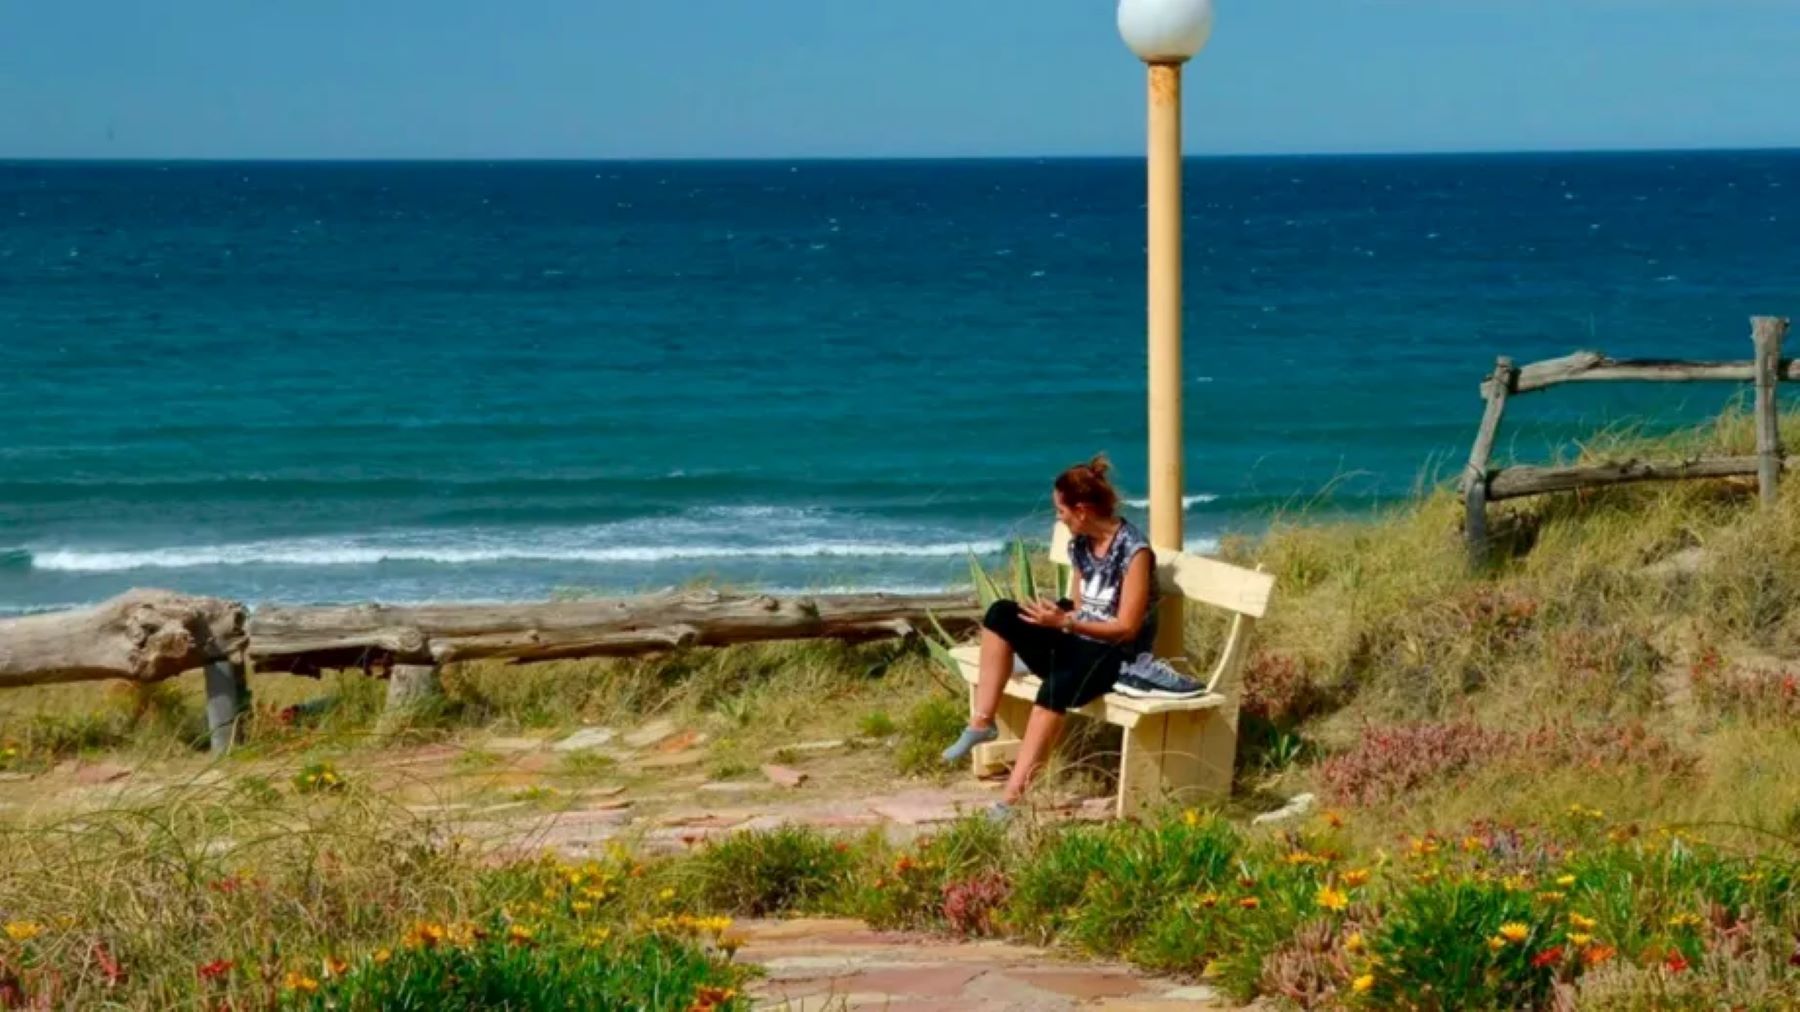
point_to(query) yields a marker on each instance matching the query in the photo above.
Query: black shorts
(1075, 671)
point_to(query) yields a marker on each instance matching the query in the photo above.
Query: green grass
(1635, 650)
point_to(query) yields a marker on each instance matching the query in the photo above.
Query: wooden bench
(1180, 750)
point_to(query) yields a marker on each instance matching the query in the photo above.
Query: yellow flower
(1566, 881)
(1208, 900)
(519, 934)
(1356, 877)
(424, 934)
(1353, 944)
(1332, 899)
(666, 895)
(1579, 938)
(1685, 921)
(1515, 883)
(597, 937)
(23, 931)
(297, 981)
(382, 956)
(731, 941)
(1363, 984)
(1514, 932)
(581, 906)
(1580, 923)
(1471, 844)
(1496, 943)
(1550, 896)
(1190, 817)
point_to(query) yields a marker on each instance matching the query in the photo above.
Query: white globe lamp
(1166, 31)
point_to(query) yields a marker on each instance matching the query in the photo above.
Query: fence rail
(1483, 484)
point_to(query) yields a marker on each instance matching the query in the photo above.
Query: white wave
(328, 553)
(1187, 501)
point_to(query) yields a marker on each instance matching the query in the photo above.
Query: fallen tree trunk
(307, 640)
(1514, 482)
(140, 636)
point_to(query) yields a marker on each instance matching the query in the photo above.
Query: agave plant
(1024, 588)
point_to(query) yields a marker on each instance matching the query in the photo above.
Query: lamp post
(1165, 34)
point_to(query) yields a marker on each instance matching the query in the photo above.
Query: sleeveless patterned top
(1102, 578)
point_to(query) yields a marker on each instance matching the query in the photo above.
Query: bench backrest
(1244, 592)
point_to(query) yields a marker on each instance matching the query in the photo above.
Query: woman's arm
(1134, 603)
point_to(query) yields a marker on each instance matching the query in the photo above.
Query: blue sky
(793, 78)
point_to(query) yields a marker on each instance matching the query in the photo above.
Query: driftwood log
(307, 640)
(139, 636)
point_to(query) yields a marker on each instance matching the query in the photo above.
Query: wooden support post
(411, 687)
(1475, 476)
(1010, 718)
(227, 700)
(1767, 332)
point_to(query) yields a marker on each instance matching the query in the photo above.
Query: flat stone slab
(784, 775)
(819, 964)
(732, 787)
(650, 733)
(586, 738)
(510, 745)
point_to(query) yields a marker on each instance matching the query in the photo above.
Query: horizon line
(838, 159)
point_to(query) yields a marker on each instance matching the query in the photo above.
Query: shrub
(952, 880)
(931, 726)
(510, 967)
(774, 871)
(1462, 943)
(1391, 762)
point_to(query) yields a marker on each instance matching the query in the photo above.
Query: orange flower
(1549, 957)
(1356, 877)
(215, 969)
(1677, 963)
(1594, 955)
(297, 981)
(334, 967)
(1249, 903)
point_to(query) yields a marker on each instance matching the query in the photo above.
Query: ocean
(317, 382)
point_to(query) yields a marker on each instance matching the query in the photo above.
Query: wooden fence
(1482, 484)
(150, 635)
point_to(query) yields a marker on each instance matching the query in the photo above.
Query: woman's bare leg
(1041, 732)
(996, 668)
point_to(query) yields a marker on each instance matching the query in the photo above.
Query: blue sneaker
(1151, 677)
(971, 737)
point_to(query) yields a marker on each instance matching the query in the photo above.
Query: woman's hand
(1043, 613)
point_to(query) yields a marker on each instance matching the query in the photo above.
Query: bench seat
(1174, 749)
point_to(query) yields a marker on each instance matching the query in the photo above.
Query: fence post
(1475, 476)
(1767, 332)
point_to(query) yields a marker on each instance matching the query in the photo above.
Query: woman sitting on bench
(1076, 646)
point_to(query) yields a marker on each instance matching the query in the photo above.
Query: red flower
(215, 969)
(1549, 957)
(109, 964)
(1676, 963)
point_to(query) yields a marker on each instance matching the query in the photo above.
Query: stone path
(815, 965)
